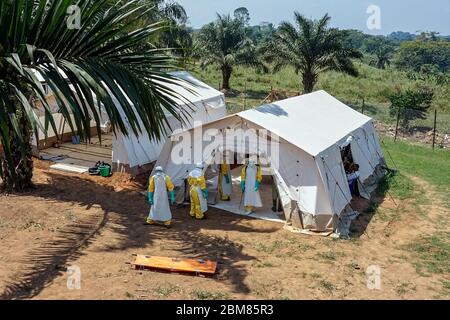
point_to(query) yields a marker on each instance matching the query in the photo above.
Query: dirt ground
(97, 224)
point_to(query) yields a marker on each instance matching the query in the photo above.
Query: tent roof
(312, 122)
(201, 91)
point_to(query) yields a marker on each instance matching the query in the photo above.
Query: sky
(394, 15)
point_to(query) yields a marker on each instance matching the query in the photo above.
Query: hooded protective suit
(251, 177)
(198, 192)
(224, 182)
(158, 186)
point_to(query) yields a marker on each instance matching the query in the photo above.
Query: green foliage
(410, 104)
(430, 73)
(381, 49)
(224, 44)
(310, 48)
(107, 54)
(400, 36)
(242, 14)
(412, 55)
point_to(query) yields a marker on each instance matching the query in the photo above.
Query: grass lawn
(250, 88)
(431, 166)
(431, 252)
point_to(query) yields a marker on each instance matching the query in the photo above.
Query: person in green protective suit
(158, 186)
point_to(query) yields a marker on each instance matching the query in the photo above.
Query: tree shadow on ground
(125, 212)
(368, 208)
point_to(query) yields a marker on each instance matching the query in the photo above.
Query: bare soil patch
(97, 224)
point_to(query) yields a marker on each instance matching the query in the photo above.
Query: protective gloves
(227, 178)
(172, 197)
(256, 185)
(205, 193)
(150, 198)
(243, 185)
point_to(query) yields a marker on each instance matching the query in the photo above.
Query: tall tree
(83, 64)
(381, 49)
(224, 43)
(311, 48)
(243, 15)
(412, 55)
(383, 55)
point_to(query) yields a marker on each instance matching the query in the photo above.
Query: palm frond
(107, 57)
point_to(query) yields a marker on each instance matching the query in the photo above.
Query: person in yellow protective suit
(158, 186)
(198, 192)
(251, 177)
(224, 182)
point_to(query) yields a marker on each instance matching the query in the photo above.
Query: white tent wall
(309, 171)
(333, 176)
(296, 172)
(178, 164)
(206, 105)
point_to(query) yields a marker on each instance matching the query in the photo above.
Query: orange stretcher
(192, 266)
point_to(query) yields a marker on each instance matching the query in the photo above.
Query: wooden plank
(198, 266)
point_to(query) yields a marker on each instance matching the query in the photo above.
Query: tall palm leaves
(310, 47)
(92, 62)
(383, 55)
(224, 43)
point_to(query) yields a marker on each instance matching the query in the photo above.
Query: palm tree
(311, 49)
(176, 35)
(383, 55)
(224, 43)
(90, 61)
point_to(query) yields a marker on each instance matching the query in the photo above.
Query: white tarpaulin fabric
(311, 130)
(312, 122)
(207, 104)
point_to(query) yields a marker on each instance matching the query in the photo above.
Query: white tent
(206, 104)
(131, 153)
(307, 166)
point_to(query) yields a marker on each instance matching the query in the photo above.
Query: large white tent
(308, 169)
(133, 152)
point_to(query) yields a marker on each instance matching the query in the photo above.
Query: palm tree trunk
(226, 75)
(22, 161)
(309, 81)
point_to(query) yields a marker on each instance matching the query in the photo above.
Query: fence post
(434, 128)
(245, 95)
(396, 127)
(363, 105)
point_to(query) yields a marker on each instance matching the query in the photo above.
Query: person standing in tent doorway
(198, 192)
(251, 177)
(225, 182)
(158, 186)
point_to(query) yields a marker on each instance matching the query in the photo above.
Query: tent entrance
(348, 163)
(236, 204)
